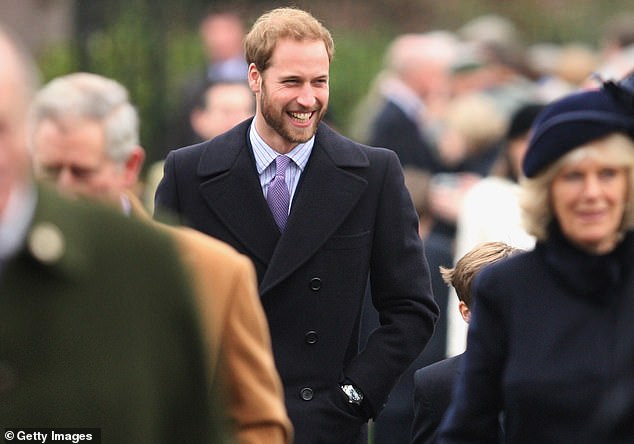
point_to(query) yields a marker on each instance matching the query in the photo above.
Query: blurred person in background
(490, 210)
(415, 87)
(489, 81)
(542, 59)
(616, 46)
(88, 340)
(545, 339)
(576, 63)
(222, 37)
(85, 141)
(222, 106)
(617, 50)
(469, 131)
(367, 108)
(434, 384)
(502, 70)
(222, 34)
(322, 217)
(561, 69)
(467, 135)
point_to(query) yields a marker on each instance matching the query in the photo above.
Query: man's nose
(65, 180)
(306, 96)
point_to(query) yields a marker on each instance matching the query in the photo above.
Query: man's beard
(277, 121)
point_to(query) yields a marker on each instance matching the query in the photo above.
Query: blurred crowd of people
(457, 107)
(503, 174)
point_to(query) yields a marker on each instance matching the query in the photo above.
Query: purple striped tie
(278, 196)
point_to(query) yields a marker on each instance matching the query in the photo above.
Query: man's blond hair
(283, 23)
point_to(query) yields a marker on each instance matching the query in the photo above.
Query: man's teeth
(301, 116)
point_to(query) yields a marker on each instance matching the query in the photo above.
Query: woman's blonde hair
(537, 212)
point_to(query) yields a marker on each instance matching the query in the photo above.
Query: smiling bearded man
(320, 216)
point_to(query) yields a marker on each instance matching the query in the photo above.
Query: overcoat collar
(326, 194)
(54, 241)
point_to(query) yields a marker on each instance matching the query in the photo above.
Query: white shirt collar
(265, 155)
(126, 205)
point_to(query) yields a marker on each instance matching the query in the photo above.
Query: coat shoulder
(347, 152)
(430, 373)
(509, 268)
(93, 234)
(188, 154)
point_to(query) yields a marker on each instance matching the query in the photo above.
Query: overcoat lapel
(325, 197)
(234, 194)
(326, 194)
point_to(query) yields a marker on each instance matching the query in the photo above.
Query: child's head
(461, 276)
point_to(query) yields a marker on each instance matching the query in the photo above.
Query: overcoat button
(306, 393)
(315, 284)
(311, 337)
(46, 243)
(7, 377)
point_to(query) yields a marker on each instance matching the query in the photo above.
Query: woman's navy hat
(575, 120)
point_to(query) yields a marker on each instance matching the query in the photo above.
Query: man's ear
(132, 167)
(255, 78)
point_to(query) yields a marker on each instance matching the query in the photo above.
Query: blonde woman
(543, 345)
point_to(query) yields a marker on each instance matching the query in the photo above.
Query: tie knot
(281, 162)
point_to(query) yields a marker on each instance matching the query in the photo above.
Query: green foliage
(150, 48)
(58, 60)
(153, 68)
(184, 54)
(358, 58)
(131, 50)
(137, 48)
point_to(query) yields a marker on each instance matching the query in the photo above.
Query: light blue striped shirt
(265, 161)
